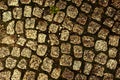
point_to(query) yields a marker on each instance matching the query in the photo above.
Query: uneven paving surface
(59, 39)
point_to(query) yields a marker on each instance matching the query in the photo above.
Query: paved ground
(59, 39)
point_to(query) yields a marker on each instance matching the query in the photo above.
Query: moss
(54, 9)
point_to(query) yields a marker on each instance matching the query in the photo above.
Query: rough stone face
(110, 11)
(65, 48)
(21, 41)
(98, 70)
(76, 65)
(37, 12)
(112, 52)
(31, 34)
(61, 4)
(53, 39)
(15, 52)
(1, 65)
(59, 17)
(67, 74)
(64, 35)
(88, 41)
(4, 51)
(22, 64)
(118, 73)
(93, 27)
(41, 50)
(49, 3)
(40, 2)
(42, 25)
(41, 38)
(47, 64)
(101, 45)
(19, 27)
(111, 64)
(78, 29)
(80, 76)
(35, 62)
(32, 45)
(77, 2)
(55, 51)
(26, 52)
(13, 2)
(72, 11)
(103, 33)
(86, 7)
(17, 13)
(42, 76)
(10, 28)
(27, 11)
(10, 63)
(103, 3)
(108, 76)
(66, 60)
(5, 75)
(116, 28)
(114, 40)
(8, 40)
(56, 73)
(6, 16)
(87, 68)
(88, 55)
(30, 23)
(101, 58)
(3, 6)
(75, 39)
(16, 75)
(117, 16)
(78, 51)
(108, 22)
(25, 1)
(29, 75)
(82, 19)
(53, 28)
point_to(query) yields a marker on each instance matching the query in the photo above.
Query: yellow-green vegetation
(54, 9)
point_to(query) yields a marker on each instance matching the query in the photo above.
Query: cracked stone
(19, 27)
(31, 34)
(26, 52)
(10, 63)
(48, 16)
(42, 76)
(59, 17)
(114, 40)
(72, 11)
(88, 41)
(78, 51)
(93, 27)
(3, 6)
(101, 58)
(66, 60)
(29, 75)
(35, 62)
(78, 29)
(17, 12)
(108, 22)
(15, 52)
(27, 11)
(103, 33)
(22, 64)
(41, 50)
(4, 51)
(111, 64)
(101, 45)
(55, 51)
(75, 39)
(108, 76)
(41, 38)
(47, 64)
(87, 68)
(37, 12)
(82, 19)
(16, 75)
(68, 74)
(110, 11)
(65, 48)
(76, 65)
(56, 73)
(88, 55)
(53, 39)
